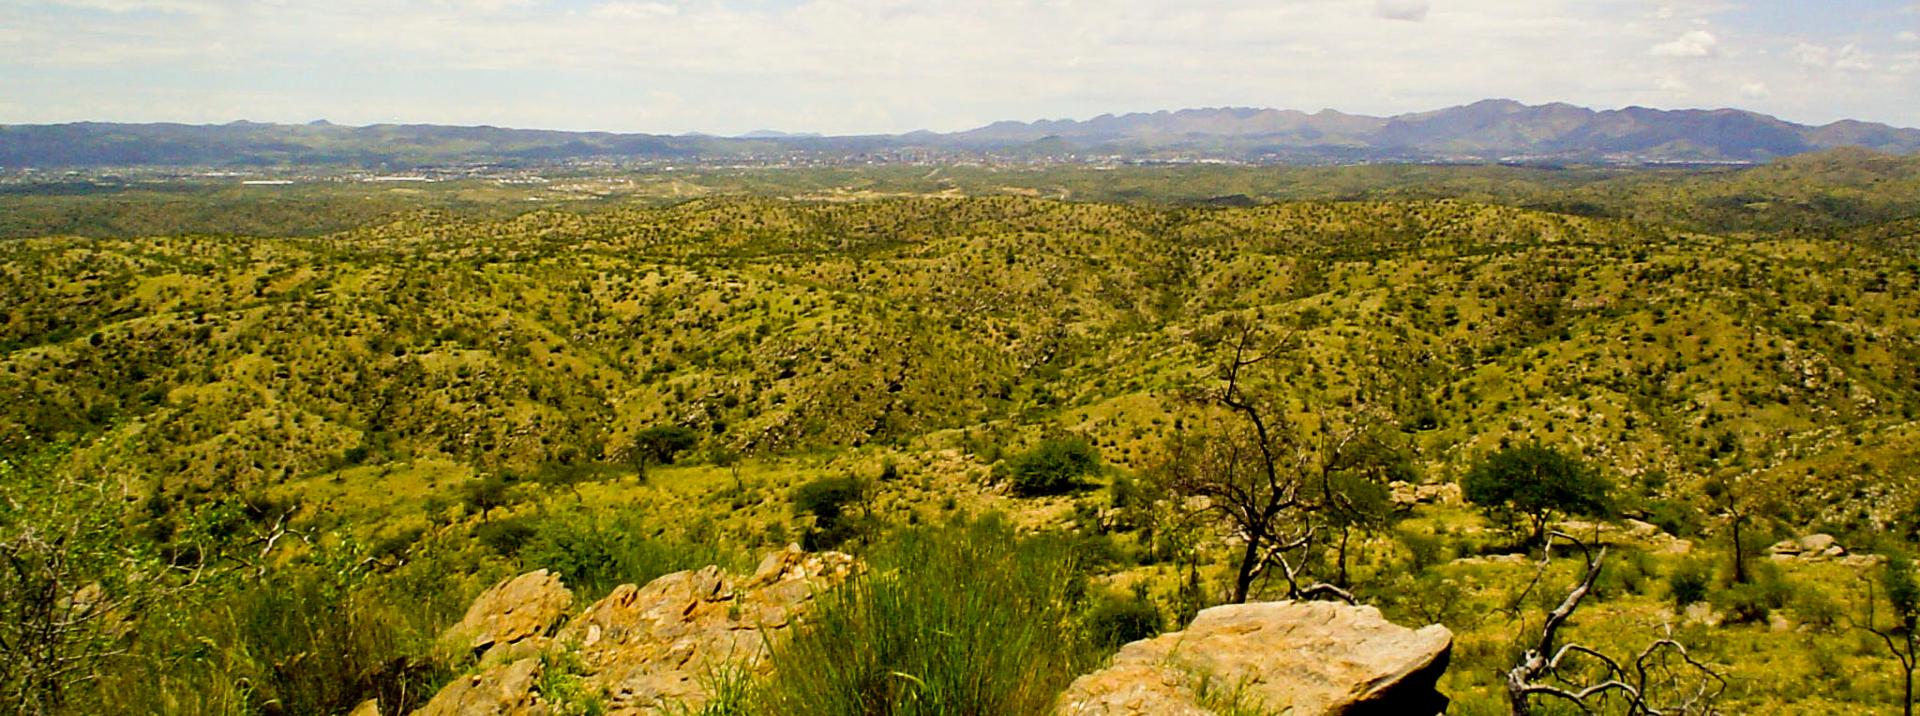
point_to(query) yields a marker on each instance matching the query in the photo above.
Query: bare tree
(1664, 666)
(1260, 472)
(1903, 598)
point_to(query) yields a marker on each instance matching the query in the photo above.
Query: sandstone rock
(1408, 493)
(501, 690)
(647, 650)
(1862, 561)
(1814, 543)
(1812, 548)
(1298, 658)
(1701, 613)
(652, 648)
(1641, 530)
(369, 707)
(518, 608)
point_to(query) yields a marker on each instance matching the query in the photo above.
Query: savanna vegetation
(259, 471)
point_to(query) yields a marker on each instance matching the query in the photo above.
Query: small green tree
(1536, 482)
(828, 500)
(487, 494)
(1052, 467)
(660, 445)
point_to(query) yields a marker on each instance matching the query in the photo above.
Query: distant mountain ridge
(1485, 131)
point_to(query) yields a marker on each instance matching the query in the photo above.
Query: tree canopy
(1536, 481)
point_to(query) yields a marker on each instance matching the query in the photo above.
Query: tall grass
(295, 642)
(959, 619)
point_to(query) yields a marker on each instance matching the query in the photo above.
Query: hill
(287, 461)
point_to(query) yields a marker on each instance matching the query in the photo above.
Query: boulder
(1814, 548)
(1300, 658)
(524, 607)
(1816, 543)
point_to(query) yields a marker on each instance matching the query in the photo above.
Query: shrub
(1113, 622)
(593, 555)
(1052, 467)
(1688, 582)
(505, 537)
(1674, 517)
(1744, 604)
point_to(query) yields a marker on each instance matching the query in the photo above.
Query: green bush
(1674, 517)
(960, 619)
(505, 537)
(593, 554)
(1688, 583)
(1755, 601)
(1113, 622)
(1052, 467)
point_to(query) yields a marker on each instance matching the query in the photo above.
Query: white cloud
(1847, 57)
(1695, 43)
(1755, 90)
(1907, 36)
(1415, 10)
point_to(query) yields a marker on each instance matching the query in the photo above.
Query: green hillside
(453, 391)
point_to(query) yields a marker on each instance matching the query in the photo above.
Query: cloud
(1412, 10)
(1907, 36)
(1848, 57)
(1695, 43)
(1755, 90)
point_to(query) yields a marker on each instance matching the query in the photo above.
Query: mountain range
(1485, 131)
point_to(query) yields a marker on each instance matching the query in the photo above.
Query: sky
(884, 66)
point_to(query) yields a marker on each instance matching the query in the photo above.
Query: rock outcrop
(1811, 548)
(645, 649)
(519, 609)
(1298, 658)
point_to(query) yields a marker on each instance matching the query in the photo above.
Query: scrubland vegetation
(261, 472)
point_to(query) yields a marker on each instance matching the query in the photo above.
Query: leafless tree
(1664, 667)
(1900, 636)
(1260, 472)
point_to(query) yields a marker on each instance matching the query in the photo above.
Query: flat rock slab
(1298, 658)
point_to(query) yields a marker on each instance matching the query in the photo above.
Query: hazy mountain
(1486, 130)
(1490, 130)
